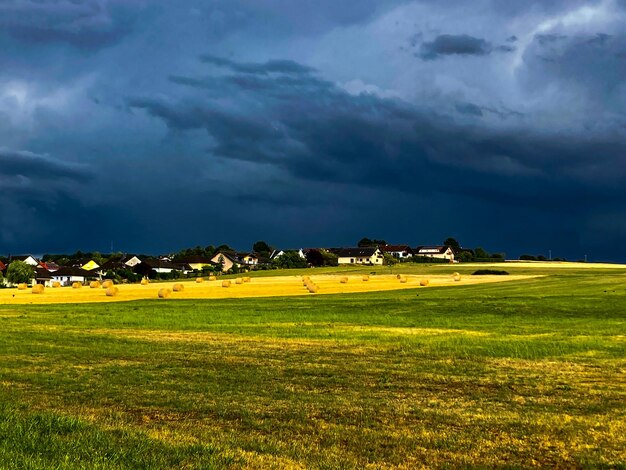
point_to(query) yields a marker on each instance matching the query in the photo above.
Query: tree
(330, 259)
(481, 253)
(19, 272)
(389, 260)
(315, 258)
(366, 242)
(262, 248)
(452, 243)
(290, 259)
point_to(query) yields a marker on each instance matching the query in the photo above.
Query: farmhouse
(227, 260)
(28, 259)
(249, 259)
(363, 255)
(67, 275)
(435, 251)
(196, 262)
(397, 251)
(150, 267)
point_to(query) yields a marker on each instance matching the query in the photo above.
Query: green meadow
(515, 374)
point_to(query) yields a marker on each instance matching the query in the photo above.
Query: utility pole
(550, 255)
(585, 258)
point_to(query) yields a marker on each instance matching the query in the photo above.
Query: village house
(435, 251)
(149, 267)
(363, 255)
(249, 259)
(227, 260)
(68, 275)
(196, 262)
(397, 251)
(28, 259)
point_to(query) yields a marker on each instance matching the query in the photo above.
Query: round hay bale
(94, 285)
(225, 283)
(178, 288)
(199, 280)
(344, 280)
(403, 280)
(164, 293)
(38, 289)
(398, 276)
(56, 284)
(457, 277)
(312, 288)
(76, 285)
(212, 278)
(112, 291)
(366, 277)
(106, 284)
(238, 281)
(424, 282)
(246, 279)
(22, 286)
(145, 282)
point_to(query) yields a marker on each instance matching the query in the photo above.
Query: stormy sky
(156, 125)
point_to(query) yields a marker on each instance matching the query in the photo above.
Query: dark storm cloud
(454, 45)
(271, 66)
(84, 24)
(316, 131)
(31, 165)
(531, 135)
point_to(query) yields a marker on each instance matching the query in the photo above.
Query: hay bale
(403, 280)
(225, 283)
(456, 277)
(246, 279)
(398, 276)
(145, 282)
(38, 289)
(238, 281)
(164, 293)
(94, 285)
(106, 284)
(366, 277)
(178, 288)
(312, 288)
(199, 280)
(212, 278)
(112, 291)
(344, 280)
(22, 286)
(56, 284)
(76, 285)
(424, 282)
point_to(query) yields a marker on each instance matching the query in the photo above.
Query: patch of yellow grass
(261, 287)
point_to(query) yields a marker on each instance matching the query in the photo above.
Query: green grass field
(514, 374)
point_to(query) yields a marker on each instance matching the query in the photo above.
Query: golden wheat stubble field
(255, 287)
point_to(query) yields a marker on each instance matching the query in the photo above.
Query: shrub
(495, 272)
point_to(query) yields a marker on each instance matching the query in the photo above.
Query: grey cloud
(449, 45)
(31, 165)
(84, 24)
(271, 66)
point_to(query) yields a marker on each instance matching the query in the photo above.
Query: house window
(351, 260)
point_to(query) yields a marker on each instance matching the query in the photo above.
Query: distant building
(227, 260)
(435, 251)
(363, 255)
(28, 259)
(397, 251)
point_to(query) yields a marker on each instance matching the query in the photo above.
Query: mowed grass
(527, 373)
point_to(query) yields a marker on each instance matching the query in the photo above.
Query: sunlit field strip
(257, 287)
